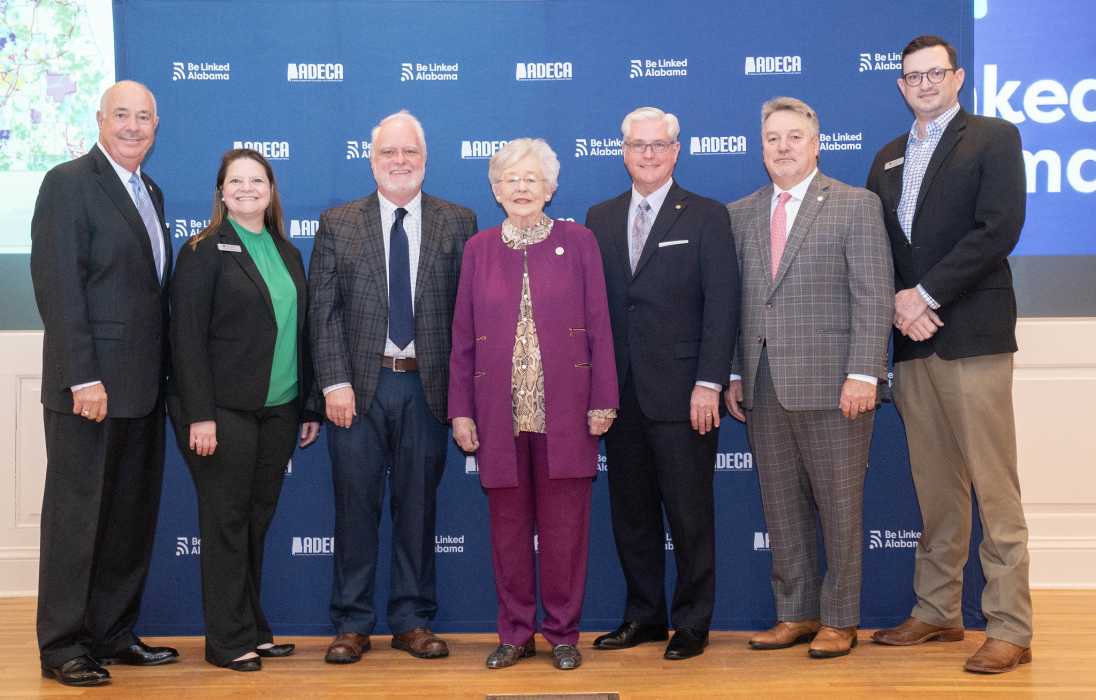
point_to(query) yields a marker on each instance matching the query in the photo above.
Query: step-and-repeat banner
(305, 82)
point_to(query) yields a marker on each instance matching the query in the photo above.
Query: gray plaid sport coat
(829, 311)
(348, 296)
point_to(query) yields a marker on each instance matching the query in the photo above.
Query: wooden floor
(1064, 665)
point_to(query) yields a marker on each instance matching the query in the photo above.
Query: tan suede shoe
(913, 631)
(831, 642)
(997, 656)
(785, 634)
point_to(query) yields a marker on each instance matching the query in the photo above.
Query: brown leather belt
(399, 364)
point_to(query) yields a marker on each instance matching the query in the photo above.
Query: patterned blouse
(527, 373)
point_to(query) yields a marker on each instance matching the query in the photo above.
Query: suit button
(768, 306)
(760, 339)
(631, 307)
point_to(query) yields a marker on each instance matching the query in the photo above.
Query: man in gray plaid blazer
(817, 304)
(382, 285)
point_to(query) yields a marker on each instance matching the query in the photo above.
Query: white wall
(1054, 390)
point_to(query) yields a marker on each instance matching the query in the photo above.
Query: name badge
(230, 247)
(664, 244)
(894, 163)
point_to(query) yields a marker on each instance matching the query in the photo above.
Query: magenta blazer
(576, 344)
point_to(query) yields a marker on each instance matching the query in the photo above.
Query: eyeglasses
(410, 153)
(528, 181)
(657, 147)
(935, 75)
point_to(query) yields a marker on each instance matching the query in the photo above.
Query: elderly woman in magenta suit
(532, 385)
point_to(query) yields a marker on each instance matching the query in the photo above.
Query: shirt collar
(799, 191)
(655, 199)
(122, 172)
(936, 126)
(388, 209)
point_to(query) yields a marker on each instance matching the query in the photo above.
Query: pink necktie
(778, 230)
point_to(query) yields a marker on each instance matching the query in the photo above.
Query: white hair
(790, 104)
(403, 115)
(673, 127)
(106, 94)
(519, 148)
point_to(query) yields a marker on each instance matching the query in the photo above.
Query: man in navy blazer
(672, 280)
(100, 261)
(953, 191)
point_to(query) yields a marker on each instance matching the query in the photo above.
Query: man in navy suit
(672, 280)
(100, 261)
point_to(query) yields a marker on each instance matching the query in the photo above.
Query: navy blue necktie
(401, 318)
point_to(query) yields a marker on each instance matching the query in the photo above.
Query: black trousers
(99, 512)
(238, 488)
(657, 466)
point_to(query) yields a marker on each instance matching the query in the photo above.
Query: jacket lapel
(619, 217)
(948, 140)
(289, 256)
(243, 259)
(112, 185)
(369, 245)
(812, 203)
(672, 208)
(762, 217)
(430, 245)
(158, 202)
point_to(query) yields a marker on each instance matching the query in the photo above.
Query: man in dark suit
(672, 281)
(817, 304)
(100, 260)
(382, 285)
(953, 192)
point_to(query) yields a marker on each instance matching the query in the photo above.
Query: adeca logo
(188, 546)
(717, 145)
(312, 546)
(841, 141)
(761, 542)
(658, 68)
(774, 65)
(185, 228)
(314, 72)
(876, 60)
(185, 70)
(558, 70)
(303, 228)
(356, 150)
(429, 71)
(589, 148)
(893, 539)
(271, 150)
(449, 544)
(476, 150)
(734, 461)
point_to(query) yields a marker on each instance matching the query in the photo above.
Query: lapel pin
(679, 206)
(821, 198)
(559, 250)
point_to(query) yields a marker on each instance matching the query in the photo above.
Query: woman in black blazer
(242, 373)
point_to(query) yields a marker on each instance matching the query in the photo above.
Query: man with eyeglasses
(672, 281)
(382, 285)
(953, 191)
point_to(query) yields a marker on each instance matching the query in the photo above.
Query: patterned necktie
(152, 223)
(401, 317)
(641, 227)
(778, 230)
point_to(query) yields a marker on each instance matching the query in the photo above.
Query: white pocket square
(664, 244)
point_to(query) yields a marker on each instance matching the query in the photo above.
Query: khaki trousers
(961, 433)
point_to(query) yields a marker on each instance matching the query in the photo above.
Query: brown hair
(273, 216)
(927, 41)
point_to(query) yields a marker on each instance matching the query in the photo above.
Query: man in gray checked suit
(382, 284)
(817, 304)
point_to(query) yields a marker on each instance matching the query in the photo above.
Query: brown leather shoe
(347, 648)
(785, 634)
(831, 642)
(997, 656)
(913, 631)
(422, 643)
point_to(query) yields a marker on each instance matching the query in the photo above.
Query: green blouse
(283, 293)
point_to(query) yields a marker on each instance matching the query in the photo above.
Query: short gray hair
(106, 93)
(790, 104)
(673, 127)
(519, 148)
(404, 115)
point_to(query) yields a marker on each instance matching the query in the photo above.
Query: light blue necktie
(152, 223)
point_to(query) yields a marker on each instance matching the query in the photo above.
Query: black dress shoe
(252, 664)
(630, 634)
(276, 650)
(686, 644)
(140, 654)
(83, 670)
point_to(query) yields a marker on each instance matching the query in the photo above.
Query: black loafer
(82, 670)
(140, 654)
(686, 644)
(275, 651)
(629, 634)
(252, 664)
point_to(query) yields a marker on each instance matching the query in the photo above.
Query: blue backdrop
(304, 82)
